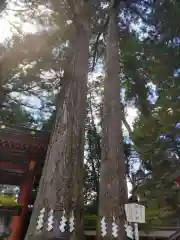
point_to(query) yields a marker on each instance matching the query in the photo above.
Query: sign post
(135, 213)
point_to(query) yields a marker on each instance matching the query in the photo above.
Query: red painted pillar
(17, 223)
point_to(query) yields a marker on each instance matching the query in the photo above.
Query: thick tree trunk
(62, 179)
(113, 190)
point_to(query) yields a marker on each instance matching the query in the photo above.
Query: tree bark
(113, 189)
(61, 183)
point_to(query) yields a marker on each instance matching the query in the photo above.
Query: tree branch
(126, 124)
(102, 30)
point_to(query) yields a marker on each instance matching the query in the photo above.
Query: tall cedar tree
(113, 192)
(62, 178)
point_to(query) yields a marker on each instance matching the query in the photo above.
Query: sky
(8, 24)
(7, 30)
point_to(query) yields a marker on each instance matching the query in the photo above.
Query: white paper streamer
(114, 228)
(129, 230)
(71, 222)
(40, 220)
(50, 220)
(103, 227)
(63, 222)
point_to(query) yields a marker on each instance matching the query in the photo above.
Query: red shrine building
(22, 154)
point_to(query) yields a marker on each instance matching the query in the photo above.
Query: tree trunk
(62, 179)
(141, 91)
(113, 189)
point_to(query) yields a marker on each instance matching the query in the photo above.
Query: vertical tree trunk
(113, 192)
(61, 182)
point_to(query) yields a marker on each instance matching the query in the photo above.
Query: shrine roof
(19, 146)
(21, 138)
(13, 130)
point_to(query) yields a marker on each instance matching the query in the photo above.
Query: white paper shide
(103, 227)
(50, 220)
(63, 222)
(40, 221)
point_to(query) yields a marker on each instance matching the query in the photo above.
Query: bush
(90, 221)
(6, 200)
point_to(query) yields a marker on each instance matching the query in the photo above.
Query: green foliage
(90, 222)
(6, 200)
(156, 214)
(151, 82)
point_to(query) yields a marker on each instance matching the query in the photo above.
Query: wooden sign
(135, 212)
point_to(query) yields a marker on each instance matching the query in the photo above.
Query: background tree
(149, 66)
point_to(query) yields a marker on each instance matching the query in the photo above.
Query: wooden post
(17, 223)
